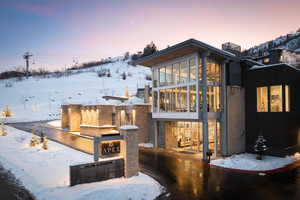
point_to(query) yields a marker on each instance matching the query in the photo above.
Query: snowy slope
(289, 41)
(40, 98)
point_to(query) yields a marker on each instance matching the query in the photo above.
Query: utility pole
(27, 56)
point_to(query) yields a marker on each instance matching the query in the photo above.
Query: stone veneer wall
(141, 118)
(64, 116)
(74, 113)
(97, 115)
(105, 114)
(130, 152)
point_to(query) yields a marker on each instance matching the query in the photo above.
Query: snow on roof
(253, 61)
(133, 101)
(273, 65)
(129, 127)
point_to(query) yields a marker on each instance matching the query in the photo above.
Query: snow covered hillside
(289, 41)
(40, 98)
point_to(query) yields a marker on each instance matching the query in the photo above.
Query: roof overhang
(187, 47)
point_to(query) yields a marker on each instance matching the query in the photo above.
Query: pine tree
(7, 112)
(33, 141)
(45, 143)
(2, 130)
(260, 146)
(126, 92)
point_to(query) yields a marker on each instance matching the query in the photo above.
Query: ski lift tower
(27, 56)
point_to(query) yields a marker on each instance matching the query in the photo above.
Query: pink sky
(90, 30)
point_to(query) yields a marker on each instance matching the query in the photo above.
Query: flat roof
(256, 67)
(181, 49)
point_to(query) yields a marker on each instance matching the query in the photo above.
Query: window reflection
(176, 73)
(193, 103)
(192, 66)
(169, 75)
(162, 76)
(183, 72)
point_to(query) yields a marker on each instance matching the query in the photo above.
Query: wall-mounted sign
(109, 148)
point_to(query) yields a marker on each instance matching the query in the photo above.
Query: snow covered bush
(260, 147)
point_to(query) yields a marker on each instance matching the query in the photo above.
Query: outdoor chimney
(232, 48)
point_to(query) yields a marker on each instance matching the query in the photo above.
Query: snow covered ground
(249, 162)
(46, 172)
(39, 98)
(147, 145)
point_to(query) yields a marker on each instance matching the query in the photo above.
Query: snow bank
(46, 172)
(55, 123)
(147, 145)
(249, 162)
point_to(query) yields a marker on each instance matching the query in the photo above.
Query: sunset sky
(57, 31)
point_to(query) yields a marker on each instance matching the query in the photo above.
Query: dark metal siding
(281, 129)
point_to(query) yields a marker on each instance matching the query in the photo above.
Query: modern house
(216, 102)
(198, 101)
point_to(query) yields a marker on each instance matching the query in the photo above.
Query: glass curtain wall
(188, 135)
(175, 99)
(213, 70)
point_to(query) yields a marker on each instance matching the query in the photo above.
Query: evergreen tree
(260, 146)
(149, 49)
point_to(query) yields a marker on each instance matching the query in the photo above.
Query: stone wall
(143, 120)
(96, 131)
(129, 148)
(138, 115)
(74, 113)
(236, 120)
(65, 116)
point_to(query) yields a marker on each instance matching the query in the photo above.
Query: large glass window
(169, 75)
(213, 71)
(192, 66)
(287, 98)
(155, 77)
(162, 76)
(193, 103)
(276, 98)
(262, 99)
(176, 73)
(184, 74)
(162, 106)
(155, 98)
(182, 100)
(200, 68)
(213, 99)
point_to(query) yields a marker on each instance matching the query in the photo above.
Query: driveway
(192, 179)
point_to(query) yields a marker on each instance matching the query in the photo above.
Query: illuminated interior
(188, 135)
(275, 101)
(276, 98)
(177, 88)
(262, 99)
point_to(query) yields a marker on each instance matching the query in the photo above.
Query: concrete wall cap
(129, 127)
